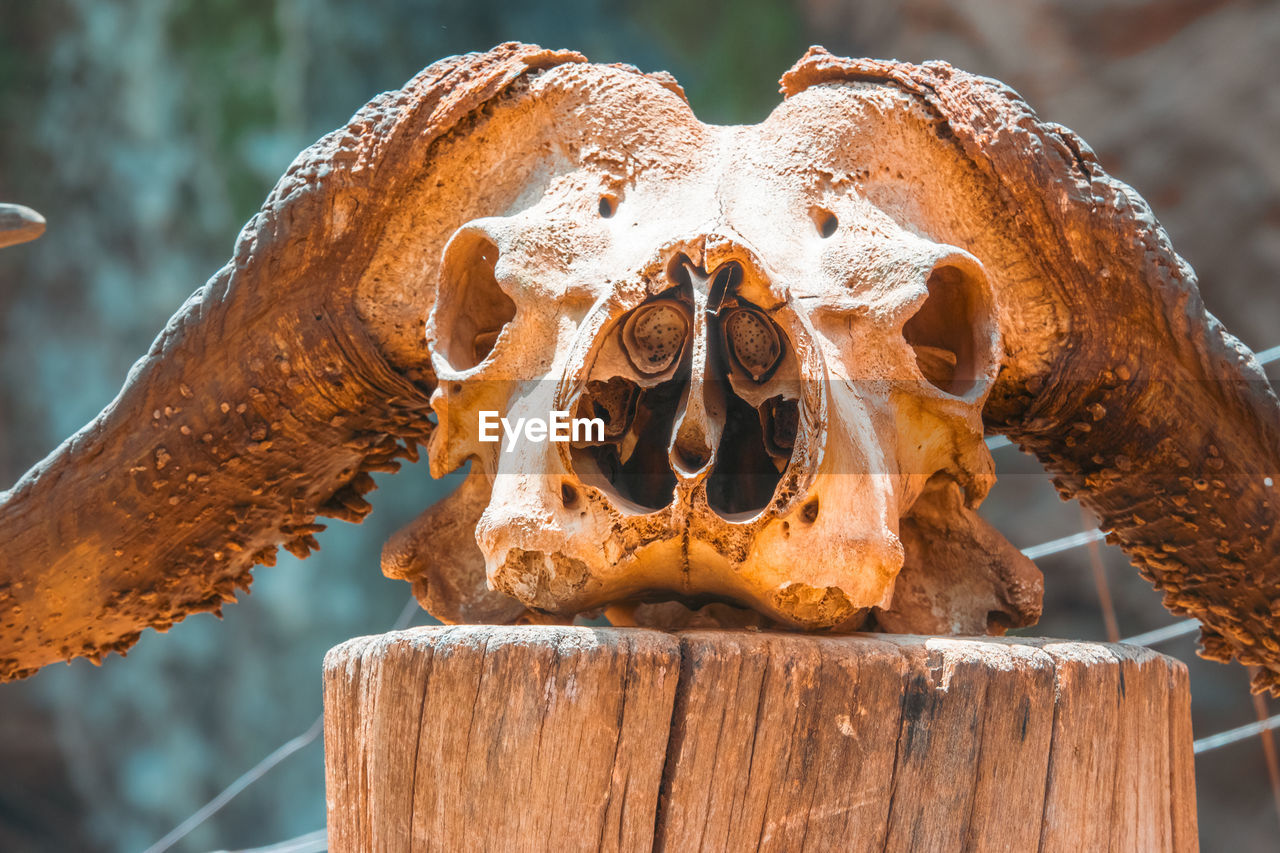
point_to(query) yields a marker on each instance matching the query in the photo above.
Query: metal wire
(257, 771)
(1269, 355)
(318, 840)
(1230, 736)
(229, 793)
(1168, 632)
(311, 842)
(1066, 543)
(1105, 600)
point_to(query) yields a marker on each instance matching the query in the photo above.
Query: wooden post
(559, 738)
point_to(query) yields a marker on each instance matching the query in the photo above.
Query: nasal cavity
(761, 418)
(636, 393)
(628, 458)
(746, 473)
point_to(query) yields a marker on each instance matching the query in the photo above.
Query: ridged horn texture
(279, 385)
(1132, 395)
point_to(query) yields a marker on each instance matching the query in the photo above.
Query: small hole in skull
(827, 222)
(612, 401)
(782, 418)
(691, 458)
(608, 207)
(678, 267)
(727, 278)
(809, 512)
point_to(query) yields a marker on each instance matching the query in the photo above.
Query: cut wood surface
(576, 738)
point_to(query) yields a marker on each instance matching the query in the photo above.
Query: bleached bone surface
(756, 374)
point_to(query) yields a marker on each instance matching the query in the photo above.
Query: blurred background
(148, 131)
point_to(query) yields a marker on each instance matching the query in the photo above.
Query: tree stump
(574, 738)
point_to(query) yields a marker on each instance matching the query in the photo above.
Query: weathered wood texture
(568, 738)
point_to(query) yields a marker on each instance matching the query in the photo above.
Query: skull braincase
(780, 371)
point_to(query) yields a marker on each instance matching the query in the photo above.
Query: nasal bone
(700, 420)
(709, 287)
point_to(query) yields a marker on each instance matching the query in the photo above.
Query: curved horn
(19, 224)
(298, 369)
(1133, 396)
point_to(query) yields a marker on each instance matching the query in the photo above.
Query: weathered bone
(960, 576)
(929, 260)
(700, 419)
(654, 335)
(438, 555)
(752, 342)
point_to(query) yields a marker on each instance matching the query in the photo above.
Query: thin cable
(411, 609)
(229, 793)
(1268, 355)
(312, 842)
(1066, 543)
(1168, 632)
(260, 769)
(1265, 357)
(1231, 736)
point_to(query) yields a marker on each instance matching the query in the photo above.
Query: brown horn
(19, 224)
(296, 371)
(1133, 396)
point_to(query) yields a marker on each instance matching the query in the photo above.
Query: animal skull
(794, 336)
(777, 384)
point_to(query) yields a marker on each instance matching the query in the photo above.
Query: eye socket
(473, 309)
(826, 221)
(947, 330)
(608, 206)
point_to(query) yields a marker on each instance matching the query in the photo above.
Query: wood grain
(554, 738)
(498, 738)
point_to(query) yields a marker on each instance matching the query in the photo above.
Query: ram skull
(791, 338)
